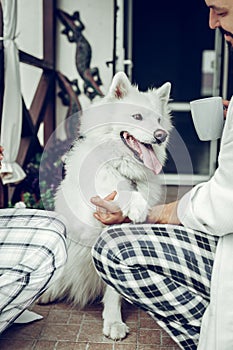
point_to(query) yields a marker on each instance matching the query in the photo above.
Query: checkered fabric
(32, 248)
(164, 269)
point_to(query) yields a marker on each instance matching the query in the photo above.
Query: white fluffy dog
(122, 147)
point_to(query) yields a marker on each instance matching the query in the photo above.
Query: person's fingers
(225, 103)
(96, 215)
(111, 196)
(225, 107)
(108, 205)
(105, 219)
(101, 210)
(99, 202)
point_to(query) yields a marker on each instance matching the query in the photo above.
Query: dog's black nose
(160, 135)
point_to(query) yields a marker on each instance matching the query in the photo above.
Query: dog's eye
(137, 116)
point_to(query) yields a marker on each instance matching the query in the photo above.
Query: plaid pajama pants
(32, 248)
(163, 269)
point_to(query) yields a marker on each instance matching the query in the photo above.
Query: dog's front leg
(113, 326)
(133, 205)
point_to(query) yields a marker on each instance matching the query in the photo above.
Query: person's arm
(109, 213)
(164, 214)
(208, 207)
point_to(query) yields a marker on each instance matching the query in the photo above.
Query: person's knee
(59, 250)
(106, 252)
(55, 249)
(55, 242)
(49, 242)
(101, 246)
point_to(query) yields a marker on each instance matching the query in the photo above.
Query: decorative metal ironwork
(73, 30)
(69, 95)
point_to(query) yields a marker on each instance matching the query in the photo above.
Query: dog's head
(148, 119)
(136, 123)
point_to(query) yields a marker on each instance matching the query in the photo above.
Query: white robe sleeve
(11, 125)
(208, 207)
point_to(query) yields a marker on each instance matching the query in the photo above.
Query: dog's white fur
(98, 163)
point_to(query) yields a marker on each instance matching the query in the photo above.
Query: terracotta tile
(76, 318)
(148, 323)
(44, 344)
(148, 336)
(93, 311)
(118, 346)
(150, 347)
(130, 316)
(130, 312)
(100, 346)
(168, 341)
(9, 344)
(131, 337)
(58, 316)
(41, 309)
(144, 314)
(60, 332)
(92, 333)
(24, 331)
(155, 347)
(66, 327)
(93, 316)
(70, 346)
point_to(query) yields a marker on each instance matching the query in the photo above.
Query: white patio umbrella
(11, 125)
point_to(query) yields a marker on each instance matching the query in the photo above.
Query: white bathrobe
(208, 207)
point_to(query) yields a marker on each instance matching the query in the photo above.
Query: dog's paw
(138, 208)
(136, 216)
(115, 330)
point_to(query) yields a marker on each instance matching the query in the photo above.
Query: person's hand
(225, 106)
(1, 155)
(107, 211)
(164, 214)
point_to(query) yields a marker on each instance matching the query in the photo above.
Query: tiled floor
(66, 328)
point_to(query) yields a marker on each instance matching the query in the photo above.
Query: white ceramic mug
(208, 117)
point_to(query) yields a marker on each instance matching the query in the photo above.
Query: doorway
(169, 43)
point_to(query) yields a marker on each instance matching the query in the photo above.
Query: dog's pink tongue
(149, 159)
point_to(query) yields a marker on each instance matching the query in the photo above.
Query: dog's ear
(120, 86)
(164, 92)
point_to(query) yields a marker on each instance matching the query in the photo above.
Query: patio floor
(67, 328)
